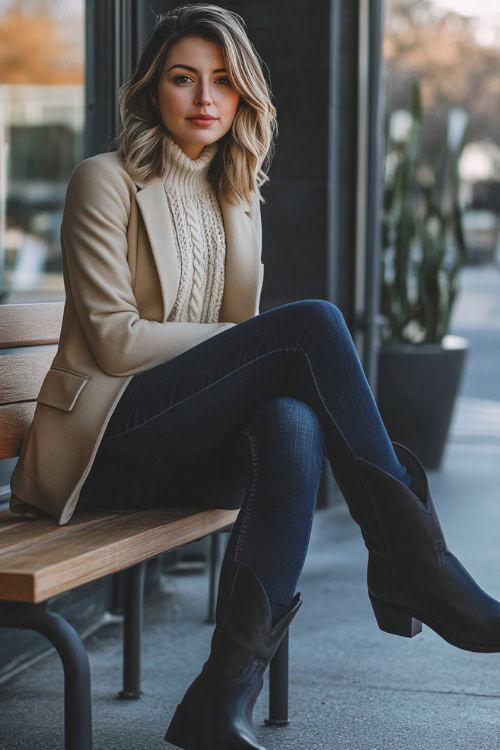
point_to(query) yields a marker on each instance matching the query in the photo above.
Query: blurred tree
(442, 50)
(35, 46)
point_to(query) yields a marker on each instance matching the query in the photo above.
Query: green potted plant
(423, 250)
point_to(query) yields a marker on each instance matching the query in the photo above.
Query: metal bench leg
(278, 686)
(212, 582)
(69, 646)
(132, 630)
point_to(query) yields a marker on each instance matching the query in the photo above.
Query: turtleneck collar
(183, 173)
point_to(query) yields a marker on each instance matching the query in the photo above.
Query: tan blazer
(121, 279)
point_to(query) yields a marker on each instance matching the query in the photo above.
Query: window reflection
(41, 139)
(452, 48)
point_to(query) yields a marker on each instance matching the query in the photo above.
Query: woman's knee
(314, 311)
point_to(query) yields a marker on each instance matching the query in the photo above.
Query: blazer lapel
(242, 252)
(153, 205)
(242, 263)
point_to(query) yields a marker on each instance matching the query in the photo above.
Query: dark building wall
(293, 40)
(343, 147)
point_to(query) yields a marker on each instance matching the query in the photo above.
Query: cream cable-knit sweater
(199, 233)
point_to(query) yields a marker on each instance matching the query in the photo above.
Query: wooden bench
(40, 559)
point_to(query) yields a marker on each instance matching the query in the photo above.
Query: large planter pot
(417, 387)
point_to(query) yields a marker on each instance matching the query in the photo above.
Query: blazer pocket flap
(61, 388)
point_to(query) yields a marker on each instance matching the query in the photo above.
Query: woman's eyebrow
(188, 67)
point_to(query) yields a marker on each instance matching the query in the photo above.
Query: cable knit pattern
(199, 233)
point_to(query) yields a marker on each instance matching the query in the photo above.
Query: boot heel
(181, 733)
(393, 620)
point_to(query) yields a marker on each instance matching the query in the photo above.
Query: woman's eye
(184, 78)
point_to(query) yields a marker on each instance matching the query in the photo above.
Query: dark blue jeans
(246, 419)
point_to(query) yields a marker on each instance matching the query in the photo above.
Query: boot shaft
(400, 526)
(246, 634)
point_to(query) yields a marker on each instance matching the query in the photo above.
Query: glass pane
(442, 148)
(41, 139)
(444, 162)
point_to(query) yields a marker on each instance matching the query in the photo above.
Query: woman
(169, 388)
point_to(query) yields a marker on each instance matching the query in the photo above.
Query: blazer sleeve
(94, 246)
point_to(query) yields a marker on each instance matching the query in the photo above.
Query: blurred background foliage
(442, 160)
(455, 60)
(423, 245)
(41, 42)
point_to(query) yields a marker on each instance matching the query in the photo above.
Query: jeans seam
(251, 495)
(323, 400)
(192, 395)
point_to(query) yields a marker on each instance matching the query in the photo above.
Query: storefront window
(41, 139)
(451, 49)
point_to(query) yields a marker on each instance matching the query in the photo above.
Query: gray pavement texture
(352, 687)
(477, 317)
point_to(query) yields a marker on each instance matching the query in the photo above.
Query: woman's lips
(201, 123)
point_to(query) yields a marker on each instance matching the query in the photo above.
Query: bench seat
(39, 559)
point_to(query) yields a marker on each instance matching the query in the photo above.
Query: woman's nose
(203, 95)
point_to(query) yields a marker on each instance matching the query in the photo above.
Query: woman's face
(193, 81)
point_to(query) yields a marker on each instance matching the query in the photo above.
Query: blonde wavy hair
(245, 152)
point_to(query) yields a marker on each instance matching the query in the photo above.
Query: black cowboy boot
(412, 576)
(216, 711)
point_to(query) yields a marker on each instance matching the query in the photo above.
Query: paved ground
(352, 687)
(477, 317)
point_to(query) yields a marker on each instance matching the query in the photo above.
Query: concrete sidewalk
(352, 687)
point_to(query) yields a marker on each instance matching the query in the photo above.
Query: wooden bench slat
(14, 421)
(31, 324)
(116, 543)
(17, 532)
(127, 529)
(22, 373)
